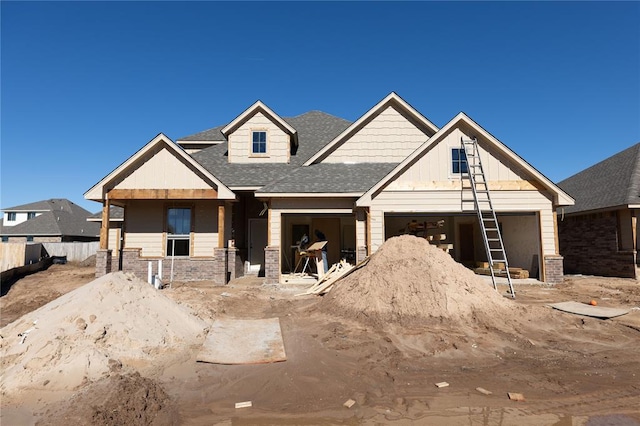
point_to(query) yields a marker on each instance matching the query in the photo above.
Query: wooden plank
(221, 226)
(588, 310)
(104, 227)
(163, 194)
(514, 396)
(484, 391)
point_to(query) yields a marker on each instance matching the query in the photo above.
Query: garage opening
(460, 236)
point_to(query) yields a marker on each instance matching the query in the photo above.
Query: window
(29, 238)
(459, 161)
(259, 145)
(5, 239)
(11, 217)
(178, 231)
(31, 215)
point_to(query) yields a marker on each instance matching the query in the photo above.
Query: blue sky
(84, 85)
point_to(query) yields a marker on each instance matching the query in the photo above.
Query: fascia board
(250, 111)
(308, 194)
(561, 197)
(363, 119)
(95, 193)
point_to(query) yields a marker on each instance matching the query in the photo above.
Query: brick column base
(103, 262)
(220, 276)
(553, 269)
(272, 265)
(234, 263)
(361, 254)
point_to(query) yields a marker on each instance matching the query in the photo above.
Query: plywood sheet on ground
(235, 341)
(588, 310)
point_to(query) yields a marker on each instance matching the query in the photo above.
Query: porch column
(221, 226)
(361, 235)
(103, 255)
(104, 228)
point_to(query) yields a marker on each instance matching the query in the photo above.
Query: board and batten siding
(388, 138)
(450, 202)
(240, 142)
(435, 165)
(163, 171)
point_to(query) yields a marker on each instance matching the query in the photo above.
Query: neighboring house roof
(61, 218)
(613, 182)
(116, 213)
(329, 178)
(560, 197)
(315, 129)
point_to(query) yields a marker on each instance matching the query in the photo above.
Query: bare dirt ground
(572, 370)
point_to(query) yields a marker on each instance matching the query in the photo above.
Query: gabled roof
(329, 178)
(97, 191)
(560, 197)
(613, 182)
(251, 111)
(62, 218)
(315, 129)
(392, 99)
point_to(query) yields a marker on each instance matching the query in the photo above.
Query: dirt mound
(118, 400)
(409, 281)
(89, 261)
(114, 321)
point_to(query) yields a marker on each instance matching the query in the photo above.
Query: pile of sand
(113, 322)
(122, 399)
(409, 281)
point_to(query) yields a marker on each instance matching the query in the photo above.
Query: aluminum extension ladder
(489, 227)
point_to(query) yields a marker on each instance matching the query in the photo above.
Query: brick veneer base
(590, 247)
(184, 269)
(553, 269)
(104, 263)
(272, 265)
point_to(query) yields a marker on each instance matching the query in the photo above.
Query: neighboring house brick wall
(590, 247)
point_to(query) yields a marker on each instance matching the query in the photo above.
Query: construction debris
(516, 273)
(442, 384)
(515, 396)
(349, 403)
(483, 391)
(244, 404)
(324, 284)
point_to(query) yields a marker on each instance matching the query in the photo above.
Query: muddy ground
(572, 370)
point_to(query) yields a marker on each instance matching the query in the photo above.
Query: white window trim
(452, 174)
(259, 154)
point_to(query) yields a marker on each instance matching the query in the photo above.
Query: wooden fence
(75, 252)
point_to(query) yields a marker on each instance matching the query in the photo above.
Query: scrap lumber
(515, 273)
(323, 285)
(515, 396)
